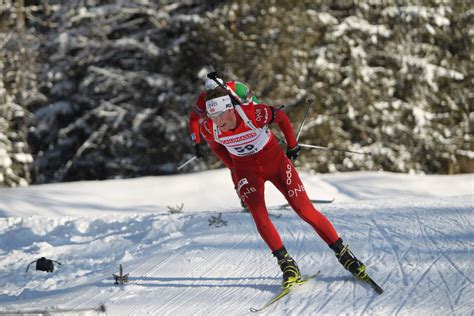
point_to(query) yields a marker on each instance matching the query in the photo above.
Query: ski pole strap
(244, 117)
(30, 265)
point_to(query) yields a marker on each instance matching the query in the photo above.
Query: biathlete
(240, 136)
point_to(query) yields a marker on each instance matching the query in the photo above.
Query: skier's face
(225, 120)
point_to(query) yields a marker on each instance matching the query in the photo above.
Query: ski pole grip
(212, 75)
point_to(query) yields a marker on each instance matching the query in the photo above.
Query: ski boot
(291, 272)
(348, 260)
(245, 208)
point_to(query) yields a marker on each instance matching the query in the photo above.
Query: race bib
(246, 143)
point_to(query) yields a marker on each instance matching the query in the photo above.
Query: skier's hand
(197, 151)
(293, 153)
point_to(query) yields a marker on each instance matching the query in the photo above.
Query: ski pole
(304, 118)
(335, 149)
(181, 166)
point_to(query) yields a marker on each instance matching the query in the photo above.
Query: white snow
(358, 23)
(415, 233)
(438, 15)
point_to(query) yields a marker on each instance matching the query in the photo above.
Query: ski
(314, 201)
(284, 292)
(372, 284)
(100, 309)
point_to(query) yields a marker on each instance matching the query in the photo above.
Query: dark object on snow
(43, 264)
(217, 221)
(121, 278)
(175, 209)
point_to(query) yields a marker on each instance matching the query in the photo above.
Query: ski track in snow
(418, 247)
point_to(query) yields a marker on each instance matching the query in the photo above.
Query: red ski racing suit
(253, 153)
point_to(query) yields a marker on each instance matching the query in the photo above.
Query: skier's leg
(288, 182)
(250, 188)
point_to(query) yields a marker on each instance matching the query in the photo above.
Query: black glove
(197, 151)
(292, 153)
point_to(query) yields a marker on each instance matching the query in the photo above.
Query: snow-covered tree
(104, 88)
(392, 80)
(17, 90)
(119, 89)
